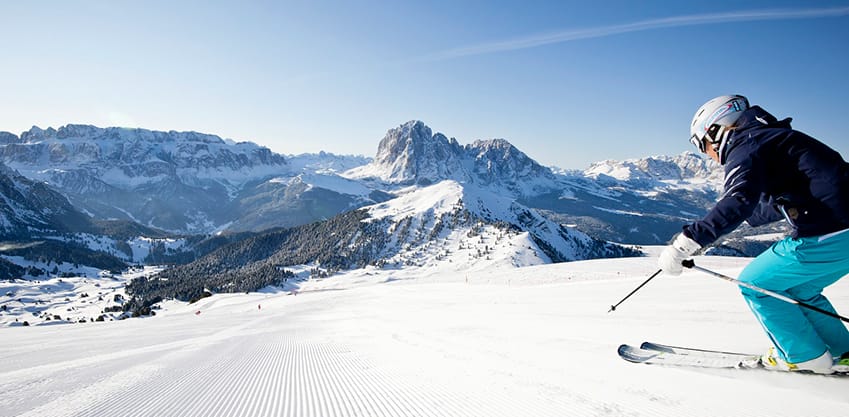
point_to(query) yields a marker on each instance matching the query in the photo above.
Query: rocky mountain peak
(498, 162)
(411, 153)
(8, 138)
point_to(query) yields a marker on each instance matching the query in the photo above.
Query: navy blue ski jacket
(773, 172)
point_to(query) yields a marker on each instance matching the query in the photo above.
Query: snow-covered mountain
(455, 212)
(448, 223)
(30, 208)
(172, 180)
(643, 201)
(413, 154)
(189, 182)
(685, 170)
(325, 162)
(184, 182)
(42, 233)
(136, 157)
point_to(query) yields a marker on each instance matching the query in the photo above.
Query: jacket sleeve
(764, 213)
(743, 188)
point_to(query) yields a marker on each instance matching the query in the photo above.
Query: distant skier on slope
(773, 172)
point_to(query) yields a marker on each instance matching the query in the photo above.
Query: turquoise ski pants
(800, 269)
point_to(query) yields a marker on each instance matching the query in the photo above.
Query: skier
(773, 172)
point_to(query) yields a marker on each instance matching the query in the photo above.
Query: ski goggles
(698, 143)
(710, 135)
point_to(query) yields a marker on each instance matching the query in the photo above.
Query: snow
(627, 213)
(460, 249)
(439, 198)
(533, 341)
(325, 163)
(686, 171)
(141, 246)
(481, 245)
(130, 158)
(330, 182)
(79, 293)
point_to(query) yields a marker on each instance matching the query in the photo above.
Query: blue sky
(567, 82)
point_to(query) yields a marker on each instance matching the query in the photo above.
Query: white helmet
(713, 119)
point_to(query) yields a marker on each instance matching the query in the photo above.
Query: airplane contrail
(533, 41)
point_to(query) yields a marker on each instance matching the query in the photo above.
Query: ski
(678, 350)
(695, 358)
(660, 354)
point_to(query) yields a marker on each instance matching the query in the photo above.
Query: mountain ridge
(412, 154)
(185, 182)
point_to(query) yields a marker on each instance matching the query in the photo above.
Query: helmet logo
(722, 111)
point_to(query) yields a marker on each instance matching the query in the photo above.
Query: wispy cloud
(536, 40)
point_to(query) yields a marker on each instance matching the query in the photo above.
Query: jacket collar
(753, 118)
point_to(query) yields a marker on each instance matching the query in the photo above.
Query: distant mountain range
(189, 183)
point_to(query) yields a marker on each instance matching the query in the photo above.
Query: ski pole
(613, 307)
(690, 264)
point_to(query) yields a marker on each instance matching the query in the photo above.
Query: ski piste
(659, 354)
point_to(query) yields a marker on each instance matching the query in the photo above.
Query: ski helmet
(713, 120)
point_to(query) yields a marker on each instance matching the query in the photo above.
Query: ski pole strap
(689, 263)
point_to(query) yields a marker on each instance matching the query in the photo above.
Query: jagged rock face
(28, 207)
(180, 181)
(133, 156)
(411, 153)
(7, 138)
(497, 162)
(79, 181)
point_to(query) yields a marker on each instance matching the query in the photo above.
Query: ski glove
(680, 249)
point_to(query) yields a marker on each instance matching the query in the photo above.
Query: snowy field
(534, 341)
(92, 296)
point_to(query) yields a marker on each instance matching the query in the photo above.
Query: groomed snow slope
(535, 341)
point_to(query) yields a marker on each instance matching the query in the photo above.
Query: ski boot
(820, 365)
